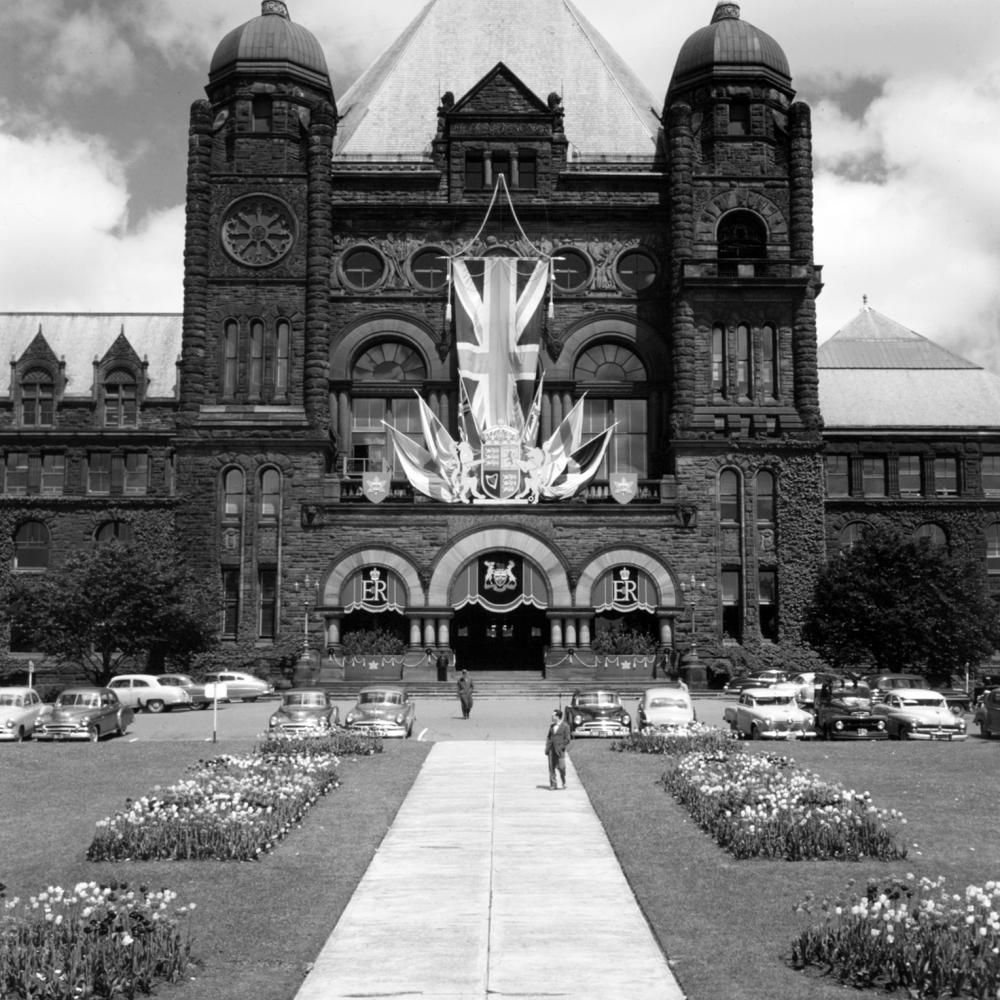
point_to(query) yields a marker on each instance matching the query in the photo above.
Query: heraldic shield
(375, 486)
(624, 486)
(500, 472)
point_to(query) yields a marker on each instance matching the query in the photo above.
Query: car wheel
(754, 733)
(93, 733)
(154, 705)
(19, 735)
(201, 706)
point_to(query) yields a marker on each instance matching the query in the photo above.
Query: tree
(113, 605)
(894, 603)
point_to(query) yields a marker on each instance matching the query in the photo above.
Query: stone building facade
(321, 233)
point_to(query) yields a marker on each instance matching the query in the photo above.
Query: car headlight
(625, 719)
(350, 718)
(838, 724)
(9, 723)
(273, 721)
(399, 719)
(880, 724)
(577, 719)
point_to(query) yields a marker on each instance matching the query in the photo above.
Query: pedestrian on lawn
(465, 688)
(556, 744)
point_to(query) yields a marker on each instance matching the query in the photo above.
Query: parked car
(84, 713)
(984, 683)
(195, 691)
(382, 711)
(987, 715)
(919, 714)
(771, 713)
(882, 684)
(664, 706)
(19, 708)
(843, 711)
(597, 712)
(246, 687)
(762, 679)
(806, 684)
(144, 692)
(304, 712)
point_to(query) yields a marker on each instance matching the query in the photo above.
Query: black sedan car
(844, 712)
(597, 712)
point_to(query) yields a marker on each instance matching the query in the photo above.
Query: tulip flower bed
(674, 741)
(763, 806)
(230, 808)
(92, 942)
(910, 936)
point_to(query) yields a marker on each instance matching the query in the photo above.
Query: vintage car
(663, 707)
(145, 693)
(770, 713)
(239, 685)
(598, 712)
(382, 711)
(843, 711)
(881, 684)
(987, 715)
(304, 712)
(919, 714)
(84, 713)
(983, 683)
(19, 708)
(195, 691)
(762, 679)
(806, 684)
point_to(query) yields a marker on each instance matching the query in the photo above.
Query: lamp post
(307, 593)
(695, 674)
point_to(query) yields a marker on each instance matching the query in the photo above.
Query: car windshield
(923, 701)
(773, 699)
(312, 699)
(667, 703)
(596, 699)
(381, 698)
(9, 700)
(81, 699)
(177, 680)
(907, 682)
(859, 692)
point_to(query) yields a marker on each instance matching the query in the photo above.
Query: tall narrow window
(946, 477)
(136, 480)
(991, 475)
(910, 479)
(769, 362)
(120, 403)
(16, 478)
(53, 475)
(718, 359)
(739, 117)
(31, 546)
(256, 373)
(230, 602)
(268, 604)
(729, 496)
(261, 111)
(765, 497)
(270, 494)
(232, 495)
(743, 359)
(732, 610)
(475, 172)
(230, 357)
(767, 596)
(873, 475)
(838, 478)
(37, 398)
(527, 170)
(99, 472)
(282, 358)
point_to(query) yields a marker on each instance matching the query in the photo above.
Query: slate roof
(877, 374)
(79, 338)
(390, 112)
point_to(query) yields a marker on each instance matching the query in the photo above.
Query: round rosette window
(363, 267)
(571, 270)
(636, 270)
(258, 230)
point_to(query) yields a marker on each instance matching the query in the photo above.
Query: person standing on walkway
(556, 744)
(465, 688)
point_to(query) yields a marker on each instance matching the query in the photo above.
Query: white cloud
(65, 216)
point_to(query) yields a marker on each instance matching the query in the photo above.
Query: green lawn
(726, 926)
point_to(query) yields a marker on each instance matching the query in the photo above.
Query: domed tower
(254, 443)
(743, 314)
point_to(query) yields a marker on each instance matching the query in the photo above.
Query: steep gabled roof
(391, 110)
(875, 374)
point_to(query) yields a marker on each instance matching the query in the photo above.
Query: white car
(770, 714)
(919, 714)
(240, 685)
(145, 692)
(19, 708)
(664, 706)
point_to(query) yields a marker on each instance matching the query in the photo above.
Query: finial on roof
(274, 7)
(726, 12)
(864, 301)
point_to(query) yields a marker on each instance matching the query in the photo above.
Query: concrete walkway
(489, 885)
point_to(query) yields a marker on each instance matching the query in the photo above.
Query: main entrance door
(488, 640)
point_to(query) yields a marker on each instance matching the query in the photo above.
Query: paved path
(488, 884)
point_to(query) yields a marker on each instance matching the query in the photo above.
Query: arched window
(31, 546)
(256, 370)
(613, 377)
(729, 496)
(718, 359)
(743, 374)
(232, 494)
(230, 357)
(270, 494)
(765, 497)
(742, 235)
(113, 531)
(37, 395)
(390, 361)
(282, 357)
(120, 399)
(769, 361)
(850, 534)
(933, 534)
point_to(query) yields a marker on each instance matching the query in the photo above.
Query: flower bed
(762, 805)
(94, 941)
(674, 741)
(230, 808)
(910, 936)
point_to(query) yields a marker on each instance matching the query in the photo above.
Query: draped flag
(498, 335)
(421, 468)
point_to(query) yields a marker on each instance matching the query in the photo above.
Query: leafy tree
(899, 604)
(113, 606)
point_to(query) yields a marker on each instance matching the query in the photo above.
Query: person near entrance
(465, 688)
(556, 744)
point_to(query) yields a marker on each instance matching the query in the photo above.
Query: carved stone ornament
(258, 230)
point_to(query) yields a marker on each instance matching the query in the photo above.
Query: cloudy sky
(94, 98)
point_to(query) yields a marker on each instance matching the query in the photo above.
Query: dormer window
(37, 393)
(120, 402)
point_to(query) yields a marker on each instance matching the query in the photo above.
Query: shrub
(373, 640)
(95, 941)
(675, 741)
(908, 935)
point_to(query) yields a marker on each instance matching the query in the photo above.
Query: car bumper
(947, 735)
(601, 730)
(858, 734)
(62, 734)
(294, 730)
(384, 729)
(787, 734)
